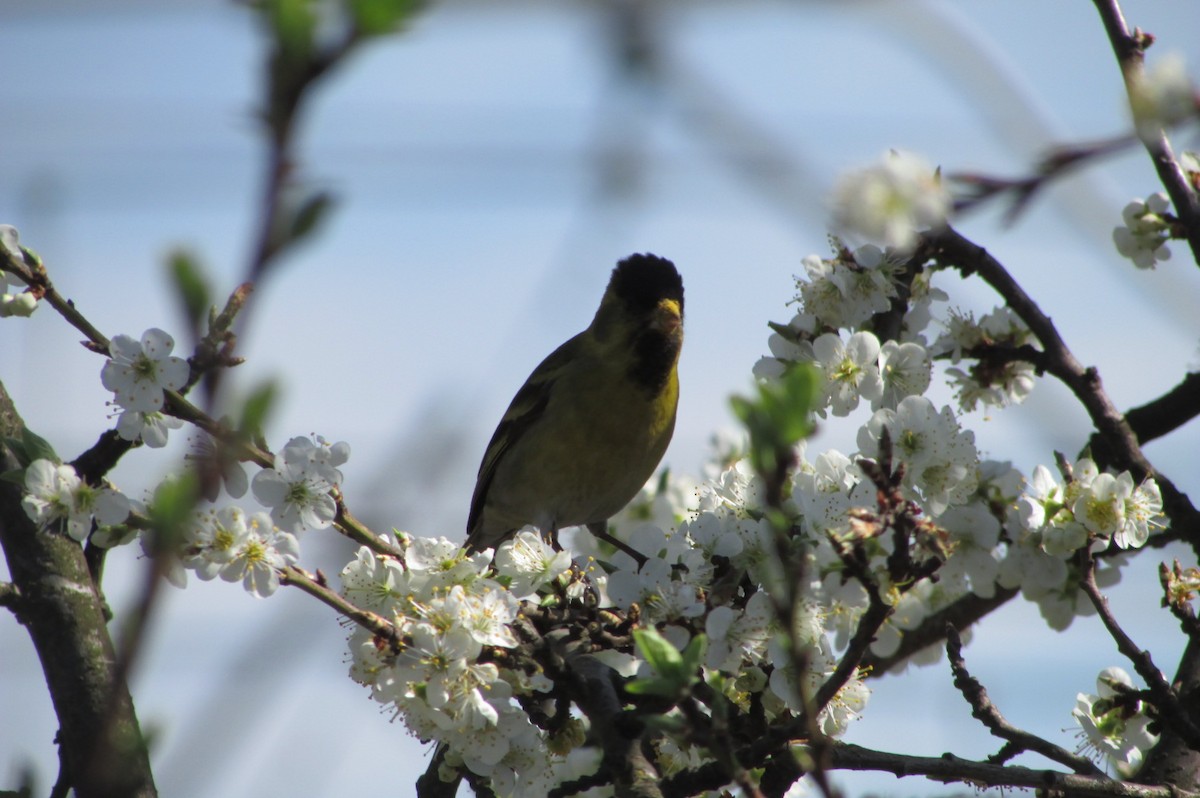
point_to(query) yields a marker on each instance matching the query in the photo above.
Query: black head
(642, 281)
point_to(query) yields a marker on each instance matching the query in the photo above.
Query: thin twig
(1058, 162)
(983, 710)
(962, 613)
(947, 769)
(1129, 48)
(1177, 596)
(349, 526)
(1164, 699)
(315, 586)
(36, 277)
(869, 623)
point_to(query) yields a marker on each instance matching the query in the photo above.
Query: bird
(591, 423)
(586, 430)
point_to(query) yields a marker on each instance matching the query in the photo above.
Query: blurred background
(490, 166)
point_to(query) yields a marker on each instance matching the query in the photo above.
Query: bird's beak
(667, 317)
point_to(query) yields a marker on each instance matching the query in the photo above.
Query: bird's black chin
(655, 353)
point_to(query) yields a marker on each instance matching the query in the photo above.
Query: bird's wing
(524, 411)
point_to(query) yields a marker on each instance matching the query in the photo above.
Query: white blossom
(735, 636)
(997, 383)
(848, 289)
(905, 370)
(376, 582)
(851, 370)
(139, 371)
(298, 489)
(530, 562)
(212, 541)
(1112, 727)
(150, 427)
(260, 555)
(1144, 236)
(1100, 505)
(1162, 95)
(974, 534)
(890, 202)
(1143, 514)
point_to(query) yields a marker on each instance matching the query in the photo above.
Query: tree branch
(1130, 50)
(1162, 696)
(1158, 417)
(961, 614)
(952, 249)
(987, 713)
(100, 740)
(316, 586)
(595, 692)
(948, 768)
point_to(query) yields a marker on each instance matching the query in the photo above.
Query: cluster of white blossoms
(1050, 521)
(451, 608)
(228, 542)
(995, 381)
(55, 493)
(138, 373)
(1090, 506)
(238, 547)
(251, 548)
(1113, 724)
(455, 612)
(856, 366)
(1144, 235)
(991, 526)
(849, 288)
(693, 580)
(299, 489)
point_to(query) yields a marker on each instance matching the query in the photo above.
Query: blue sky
(478, 218)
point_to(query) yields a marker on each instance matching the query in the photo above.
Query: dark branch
(983, 710)
(950, 769)
(1130, 50)
(952, 249)
(961, 614)
(1162, 696)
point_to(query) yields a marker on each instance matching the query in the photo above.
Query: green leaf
(666, 688)
(658, 651)
(35, 447)
(676, 671)
(294, 25)
(255, 410)
(170, 511)
(310, 214)
(16, 477)
(191, 287)
(779, 416)
(375, 17)
(693, 655)
(673, 725)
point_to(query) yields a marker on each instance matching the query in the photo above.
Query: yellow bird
(590, 425)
